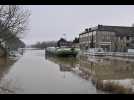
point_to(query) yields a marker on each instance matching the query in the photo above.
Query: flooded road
(33, 73)
(36, 73)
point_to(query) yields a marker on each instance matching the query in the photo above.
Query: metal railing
(119, 54)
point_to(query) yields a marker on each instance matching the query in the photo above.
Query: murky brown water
(36, 73)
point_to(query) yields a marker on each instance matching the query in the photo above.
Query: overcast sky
(50, 22)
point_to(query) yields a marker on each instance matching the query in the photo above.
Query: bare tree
(13, 21)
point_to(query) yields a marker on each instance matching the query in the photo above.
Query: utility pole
(88, 39)
(92, 41)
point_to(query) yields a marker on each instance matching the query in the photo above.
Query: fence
(118, 54)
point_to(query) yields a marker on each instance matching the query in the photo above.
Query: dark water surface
(36, 73)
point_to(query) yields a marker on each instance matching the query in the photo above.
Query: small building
(76, 43)
(109, 38)
(64, 43)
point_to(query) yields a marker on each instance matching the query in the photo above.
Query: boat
(62, 51)
(66, 52)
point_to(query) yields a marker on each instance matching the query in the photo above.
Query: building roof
(119, 30)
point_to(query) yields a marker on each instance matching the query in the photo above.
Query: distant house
(76, 43)
(64, 43)
(109, 38)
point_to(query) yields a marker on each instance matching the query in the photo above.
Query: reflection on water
(98, 69)
(5, 65)
(108, 69)
(35, 74)
(69, 64)
(65, 64)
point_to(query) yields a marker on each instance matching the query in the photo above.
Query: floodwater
(37, 73)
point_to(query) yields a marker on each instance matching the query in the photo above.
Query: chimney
(86, 30)
(99, 26)
(90, 29)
